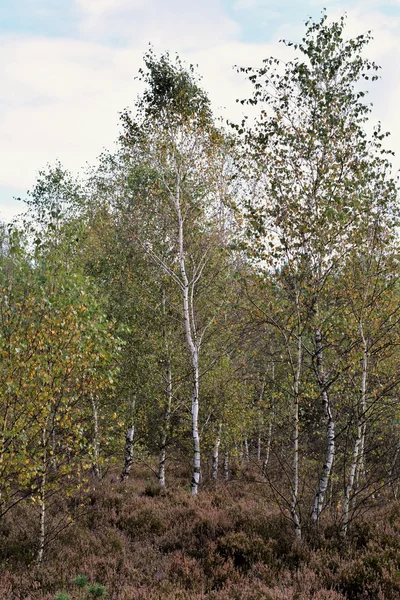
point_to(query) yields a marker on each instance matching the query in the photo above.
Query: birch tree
(174, 135)
(313, 175)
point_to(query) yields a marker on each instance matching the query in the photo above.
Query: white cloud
(99, 7)
(176, 24)
(248, 4)
(61, 97)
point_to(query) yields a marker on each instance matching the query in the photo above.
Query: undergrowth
(229, 543)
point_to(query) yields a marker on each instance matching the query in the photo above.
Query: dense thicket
(212, 298)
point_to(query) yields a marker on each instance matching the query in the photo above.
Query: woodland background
(199, 348)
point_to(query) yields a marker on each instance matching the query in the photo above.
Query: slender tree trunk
(295, 491)
(42, 502)
(215, 458)
(129, 445)
(96, 441)
(195, 431)
(188, 315)
(358, 450)
(351, 480)
(239, 451)
(260, 423)
(168, 407)
(270, 425)
(360, 471)
(226, 466)
(165, 427)
(268, 449)
(42, 530)
(246, 448)
(330, 424)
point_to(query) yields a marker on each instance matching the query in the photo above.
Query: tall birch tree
(314, 174)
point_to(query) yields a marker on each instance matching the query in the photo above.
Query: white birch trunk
(295, 491)
(168, 407)
(42, 502)
(270, 424)
(195, 431)
(165, 428)
(239, 451)
(42, 529)
(129, 446)
(330, 424)
(188, 315)
(215, 458)
(358, 450)
(351, 480)
(360, 471)
(267, 450)
(226, 466)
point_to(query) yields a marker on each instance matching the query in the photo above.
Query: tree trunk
(360, 471)
(351, 480)
(188, 315)
(195, 431)
(246, 449)
(356, 467)
(330, 424)
(165, 428)
(270, 424)
(226, 466)
(42, 502)
(215, 458)
(42, 530)
(168, 392)
(130, 434)
(295, 491)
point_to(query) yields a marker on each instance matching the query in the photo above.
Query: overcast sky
(67, 67)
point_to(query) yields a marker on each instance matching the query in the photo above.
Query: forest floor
(228, 543)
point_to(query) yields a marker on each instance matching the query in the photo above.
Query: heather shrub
(243, 549)
(145, 522)
(228, 543)
(185, 572)
(152, 490)
(370, 577)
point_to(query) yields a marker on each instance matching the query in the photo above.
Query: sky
(68, 67)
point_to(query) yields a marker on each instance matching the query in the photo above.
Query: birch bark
(168, 392)
(42, 500)
(271, 419)
(215, 458)
(295, 492)
(226, 467)
(188, 315)
(129, 445)
(330, 424)
(358, 450)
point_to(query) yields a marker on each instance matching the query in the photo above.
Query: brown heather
(228, 543)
